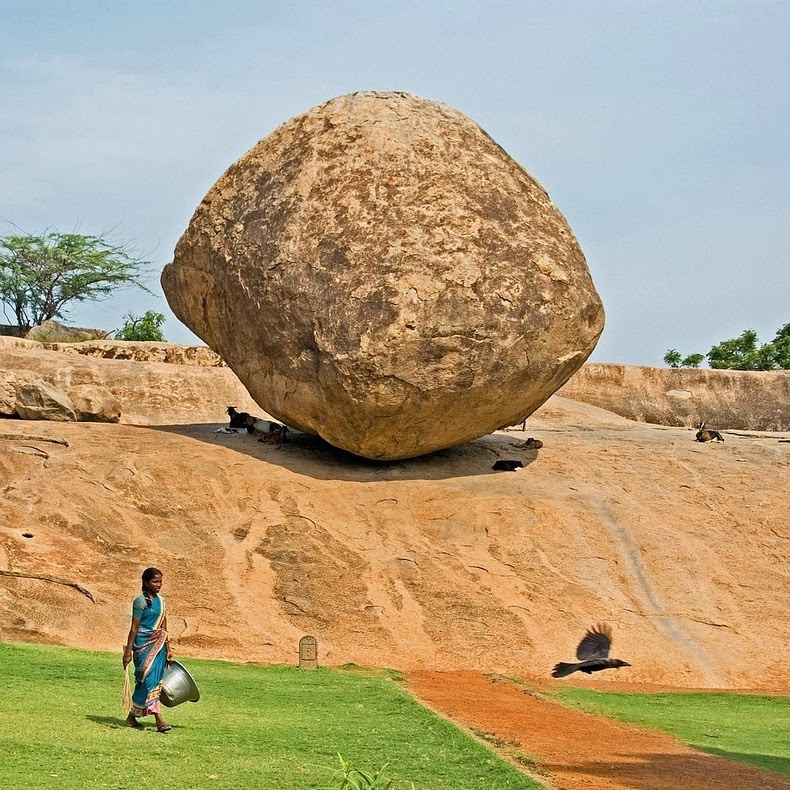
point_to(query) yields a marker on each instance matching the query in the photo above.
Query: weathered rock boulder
(10, 380)
(380, 272)
(40, 400)
(7, 395)
(93, 403)
(54, 332)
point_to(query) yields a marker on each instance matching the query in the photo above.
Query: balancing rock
(379, 272)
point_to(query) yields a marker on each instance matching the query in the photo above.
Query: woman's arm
(127, 653)
(169, 655)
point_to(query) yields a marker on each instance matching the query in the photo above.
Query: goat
(707, 434)
(238, 419)
(507, 465)
(267, 431)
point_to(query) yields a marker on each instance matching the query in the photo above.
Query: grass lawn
(750, 728)
(270, 727)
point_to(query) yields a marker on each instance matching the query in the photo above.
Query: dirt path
(579, 750)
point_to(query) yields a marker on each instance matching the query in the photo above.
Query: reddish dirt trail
(579, 750)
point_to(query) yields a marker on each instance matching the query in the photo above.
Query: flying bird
(593, 654)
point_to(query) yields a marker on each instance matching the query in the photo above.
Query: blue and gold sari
(149, 654)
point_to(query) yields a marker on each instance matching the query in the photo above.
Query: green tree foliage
(744, 353)
(142, 327)
(675, 359)
(740, 353)
(692, 361)
(41, 275)
(672, 358)
(781, 346)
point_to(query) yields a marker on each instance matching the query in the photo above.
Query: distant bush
(144, 327)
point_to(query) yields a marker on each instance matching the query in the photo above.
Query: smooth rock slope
(432, 563)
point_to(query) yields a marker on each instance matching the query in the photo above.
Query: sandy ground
(577, 750)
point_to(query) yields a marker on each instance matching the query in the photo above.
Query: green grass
(749, 728)
(270, 727)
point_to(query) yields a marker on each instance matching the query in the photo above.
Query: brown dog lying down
(267, 431)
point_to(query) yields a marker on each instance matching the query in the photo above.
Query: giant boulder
(379, 272)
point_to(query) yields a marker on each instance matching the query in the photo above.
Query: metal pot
(178, 686)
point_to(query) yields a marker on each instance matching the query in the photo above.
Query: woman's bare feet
(131, 721)
(161, 724)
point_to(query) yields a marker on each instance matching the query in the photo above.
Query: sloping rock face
(149, 393)
(434, 563)
(379, 272)
(724, 399)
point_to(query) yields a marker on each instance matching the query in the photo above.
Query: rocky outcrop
(137, 351)
(142, 351)
(40, 400)
(9, 380)
(95, 404)
(724, 399)
(54, 332)
(149, 393)
(379, 272)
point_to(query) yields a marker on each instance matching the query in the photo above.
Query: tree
(142, 327)
(781, 344)
(672, 358)
(692, 361)
(41, 275)
(740, 353)
(743, 353)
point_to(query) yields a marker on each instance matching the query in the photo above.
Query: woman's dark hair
(149, 574)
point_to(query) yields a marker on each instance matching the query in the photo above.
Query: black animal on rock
(238, 419)
(593, 654)
(507, 465)
(707, 434)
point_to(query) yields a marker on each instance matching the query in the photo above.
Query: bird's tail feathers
(563, 669)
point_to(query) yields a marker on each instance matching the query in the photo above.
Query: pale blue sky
(660, 129)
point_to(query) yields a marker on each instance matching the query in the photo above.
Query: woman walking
(148, 644)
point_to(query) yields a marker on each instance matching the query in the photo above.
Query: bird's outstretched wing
(595, 643)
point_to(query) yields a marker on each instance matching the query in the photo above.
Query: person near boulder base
(149, 646)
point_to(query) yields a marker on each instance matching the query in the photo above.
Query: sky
(660, 129)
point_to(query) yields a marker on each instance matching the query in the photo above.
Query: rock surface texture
(379, 272)
(724, 399)
(434, 563)
(40, 400)
(93, 403)
(147, 392)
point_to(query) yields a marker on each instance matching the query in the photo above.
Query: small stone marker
(308, 652)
